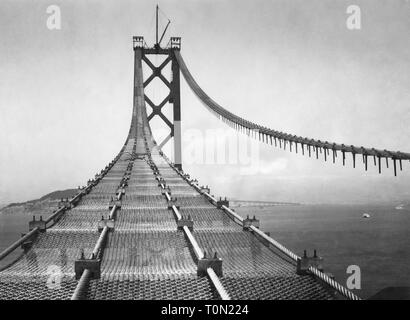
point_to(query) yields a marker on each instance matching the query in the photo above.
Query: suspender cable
(252, 127)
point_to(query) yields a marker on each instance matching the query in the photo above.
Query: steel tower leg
(177, 114)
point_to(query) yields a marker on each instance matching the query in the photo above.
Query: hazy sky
(66, 95)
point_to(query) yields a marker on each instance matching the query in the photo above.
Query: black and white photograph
(204, 154)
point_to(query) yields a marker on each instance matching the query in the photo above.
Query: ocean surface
(379, 245)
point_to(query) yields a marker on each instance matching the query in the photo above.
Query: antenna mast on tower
(158, 43)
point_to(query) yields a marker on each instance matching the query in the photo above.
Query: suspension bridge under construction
(144, 229)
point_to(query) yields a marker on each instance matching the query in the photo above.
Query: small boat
(399, 207)
(366, 215)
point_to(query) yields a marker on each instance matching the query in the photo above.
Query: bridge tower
(174, 96)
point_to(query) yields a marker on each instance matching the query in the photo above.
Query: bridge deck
(146, 257)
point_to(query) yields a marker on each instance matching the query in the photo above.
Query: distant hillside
(68, 193)
(392, 293)
(251, 203)
(50, 201)
(45, 204)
